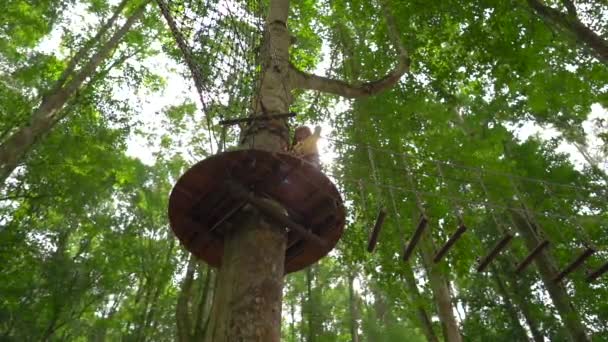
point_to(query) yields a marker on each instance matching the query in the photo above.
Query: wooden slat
(239, 192)
(373, 237)
(450, 243)
(597, 273)
(409, 249)
(228, 215)
(576, 263)
(257, 118)
(539, 248)
(498, 247)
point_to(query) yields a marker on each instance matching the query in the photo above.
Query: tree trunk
(509, 307)
(529, 231)
(205, 300)
(414, 294)
(44, 118)
(310, 306)
(519, 294)
(441, 291)
(247, 304)
(353, 309)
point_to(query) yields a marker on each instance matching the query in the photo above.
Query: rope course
(219, 41)
(474, 193)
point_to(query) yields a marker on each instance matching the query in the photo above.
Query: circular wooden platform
(200, 204)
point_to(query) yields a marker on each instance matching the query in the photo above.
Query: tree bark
(44, 118)
(530, 231)
(441, 291)
(247, 304)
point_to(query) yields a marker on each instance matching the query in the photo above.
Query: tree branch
(581, 33)
(305, 80)
(570, 7)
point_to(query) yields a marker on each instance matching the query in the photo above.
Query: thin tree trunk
(292, 307)
(414, 294)
(310, 306)
(44, 118)
(353, 309)
(204, 305)
(519, 295)
(509, 307)
(441, 291)
(529, 231)
(184, 325)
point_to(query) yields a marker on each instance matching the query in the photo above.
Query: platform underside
(201, 206)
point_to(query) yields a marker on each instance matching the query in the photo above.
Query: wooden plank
(228, 215)
(257, 118)
(409, 249)
(498, 247)
(238, 191)
(574, 264)
(450, 243)
(373, 237)
(539, 248)
(597, 273)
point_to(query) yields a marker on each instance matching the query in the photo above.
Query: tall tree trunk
(44, 118)
(546, 265)
(182, 317)
(519, 330)
(353, 310)
(414, 294)
(519, 294)
(247, 304)
(441, 290)
(205, 300)
(292, 307)
(310, 306)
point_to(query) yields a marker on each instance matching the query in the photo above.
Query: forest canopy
(478, 123)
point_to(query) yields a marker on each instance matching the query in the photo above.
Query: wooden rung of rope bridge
(450, 243)
(533, 254)
(373, 237)
(576, 263)
(409, 248)
(597, 273)
(498, 247)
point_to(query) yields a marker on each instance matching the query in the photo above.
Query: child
(305, 144)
